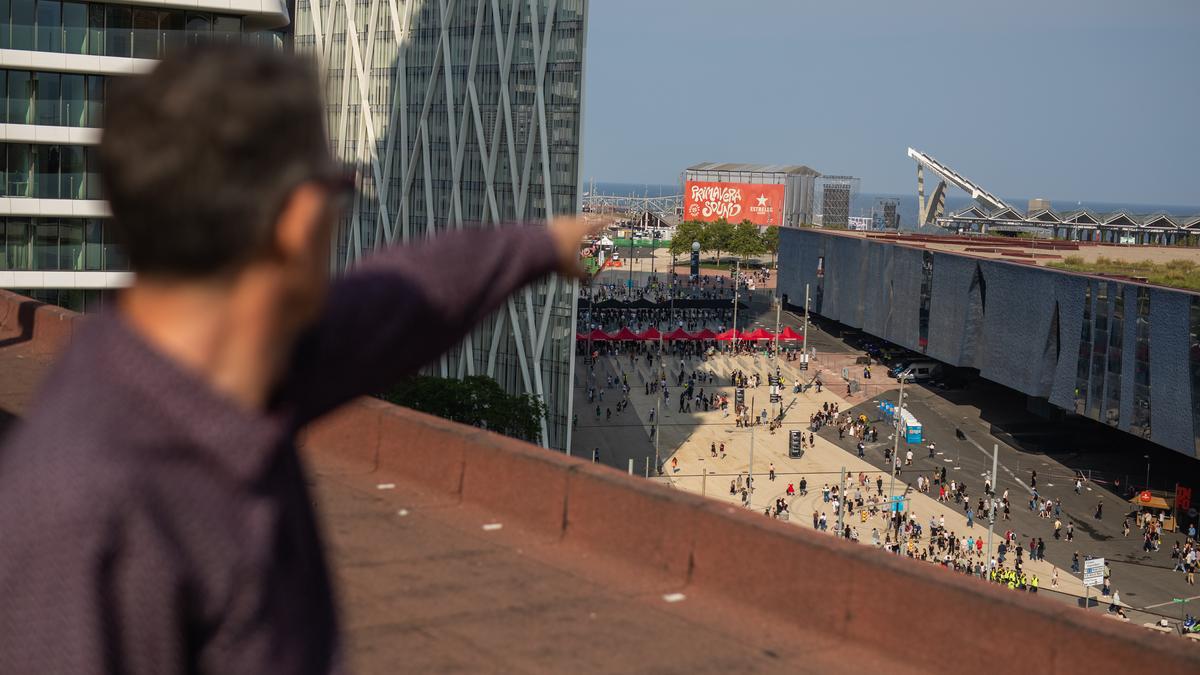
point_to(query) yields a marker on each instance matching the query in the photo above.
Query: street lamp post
(737, 273)
(992, 501)
(1147, 458)
(805, 317)
(896, 454)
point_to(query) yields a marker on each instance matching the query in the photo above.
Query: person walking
(932, 449)
(771, 474)
(1099, 509)
(1057, 528)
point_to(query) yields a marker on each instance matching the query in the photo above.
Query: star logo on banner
(762, 200)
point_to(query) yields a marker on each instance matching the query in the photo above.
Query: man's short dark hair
(198, 156)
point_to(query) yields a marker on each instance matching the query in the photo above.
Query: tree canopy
(743, 239)
(687, 232)
(717, 236)
(746, 240)
(477, 400)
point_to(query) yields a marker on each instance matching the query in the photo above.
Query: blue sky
(1066, 99)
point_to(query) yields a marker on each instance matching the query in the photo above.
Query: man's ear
(296, 230)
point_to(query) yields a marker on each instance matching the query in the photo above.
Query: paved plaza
(687, 439)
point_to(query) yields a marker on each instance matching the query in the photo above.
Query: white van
(918, 371)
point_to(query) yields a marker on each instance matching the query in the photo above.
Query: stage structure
(835, 194)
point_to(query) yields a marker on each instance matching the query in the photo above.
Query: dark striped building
(1121, 352)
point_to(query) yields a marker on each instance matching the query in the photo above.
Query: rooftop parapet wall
(865, 601)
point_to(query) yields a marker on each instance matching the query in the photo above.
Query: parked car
(916, 371)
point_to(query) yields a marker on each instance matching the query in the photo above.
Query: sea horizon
(865, 202)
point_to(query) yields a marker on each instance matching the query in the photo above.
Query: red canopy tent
(680, 334)
(728, 335)
(650, 333)
(580, 337)
(598, 334)
(705, 334)
(757, 334)
(788, 334)
(625, 334)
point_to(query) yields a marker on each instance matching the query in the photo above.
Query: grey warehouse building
(798, 180)
(1121, 352)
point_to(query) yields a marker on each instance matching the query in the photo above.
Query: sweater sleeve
(406, 306)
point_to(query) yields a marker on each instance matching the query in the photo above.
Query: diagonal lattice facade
(462, 113)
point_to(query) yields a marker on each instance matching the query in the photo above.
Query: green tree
(746, 240)
(718, 236)
(687, 232)
(770, 241)
(477, 400)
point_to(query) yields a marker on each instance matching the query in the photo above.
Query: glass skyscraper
(463, 114)
(56, 61)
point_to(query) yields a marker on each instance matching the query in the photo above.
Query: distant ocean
(864, 202)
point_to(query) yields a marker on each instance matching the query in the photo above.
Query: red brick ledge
(920, 613)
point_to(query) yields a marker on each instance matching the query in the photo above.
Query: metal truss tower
(462, 113)
(929, 211)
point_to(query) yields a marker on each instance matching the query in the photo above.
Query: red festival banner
(759, 203)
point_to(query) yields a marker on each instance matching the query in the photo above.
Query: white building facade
(462, 114)
(56, 61)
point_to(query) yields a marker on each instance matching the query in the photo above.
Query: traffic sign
(1093, 572)
(897, 505)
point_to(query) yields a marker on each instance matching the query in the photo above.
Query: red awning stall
(788, 334)
(625, 334)
(598, 334)
(650, 333)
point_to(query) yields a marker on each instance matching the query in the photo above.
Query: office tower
(462, 115)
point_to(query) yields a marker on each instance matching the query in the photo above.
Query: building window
(49, 171)
(75, 28)
(48, 99)
(106, 30)
(22, 21)
(1140, 425)
(118, 22)
(54, 244)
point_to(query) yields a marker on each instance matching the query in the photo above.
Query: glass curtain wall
(99, 29)
(1116, 338)
(1140, 425)
(1194, 359)
(49, 171)
(1099, 347)
(60, 245)
(1085, 352)
(926, 299)
(52, 99)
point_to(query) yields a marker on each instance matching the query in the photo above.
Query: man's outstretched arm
(404, 307)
